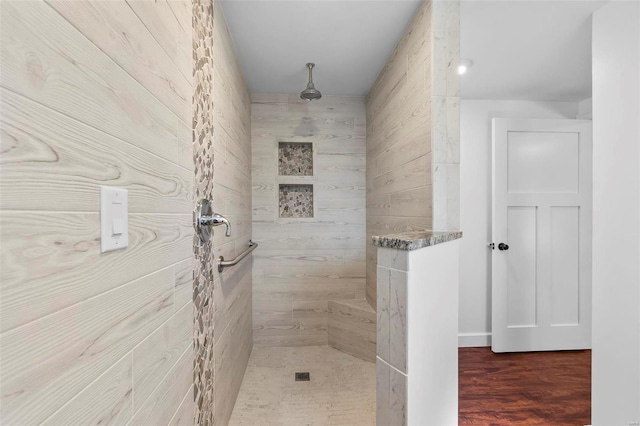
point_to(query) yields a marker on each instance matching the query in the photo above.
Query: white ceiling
(530, 50)
(349, 41)
(521, 49)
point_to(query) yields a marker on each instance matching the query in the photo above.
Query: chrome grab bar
(226, 263)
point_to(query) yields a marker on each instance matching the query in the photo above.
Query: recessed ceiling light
(464, 66)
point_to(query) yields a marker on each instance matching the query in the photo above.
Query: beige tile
(97, 91)
(157, 354)
(48, 258)
(397, 398)
(351, 339)
(316, 260)
(231, 354)
(48, 156)
(183, 283)
(108, 400)
(398, 327)
(313, 326)
(383, 276)
(354, 312)
(290, 340)
(341, 390)
(84, 340)
(111, 27)
(170, 32)
(184, 413)
(383, 372)
(160, 407)
(310, 309)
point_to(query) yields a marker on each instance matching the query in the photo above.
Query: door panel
(542, 164)
(521, 267)
(541, 292)
(565, 265)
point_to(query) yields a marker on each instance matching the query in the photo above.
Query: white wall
(475, 205)
(585, 109)
(432, 362)
(616, 205)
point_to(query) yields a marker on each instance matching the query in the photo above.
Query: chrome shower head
(310, 93)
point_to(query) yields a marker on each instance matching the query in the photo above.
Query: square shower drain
(302, 377)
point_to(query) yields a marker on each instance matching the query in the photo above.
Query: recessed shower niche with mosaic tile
(296, 200)
(295, 159)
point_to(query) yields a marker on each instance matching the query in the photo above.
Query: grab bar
(226, 263)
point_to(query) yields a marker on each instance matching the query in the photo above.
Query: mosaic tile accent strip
(296, 200)
(295, 159)
(203, 374)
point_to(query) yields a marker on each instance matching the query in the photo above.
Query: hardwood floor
(536, 388)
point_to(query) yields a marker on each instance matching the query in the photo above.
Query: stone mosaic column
(204, 260)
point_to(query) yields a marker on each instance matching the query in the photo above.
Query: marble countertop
(414, 240)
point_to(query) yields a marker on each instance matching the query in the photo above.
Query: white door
(542, 182)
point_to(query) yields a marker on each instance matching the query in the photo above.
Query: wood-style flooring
(535, 388)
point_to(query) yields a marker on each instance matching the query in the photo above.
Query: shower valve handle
(204, 218)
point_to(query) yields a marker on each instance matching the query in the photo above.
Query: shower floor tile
(342, 389)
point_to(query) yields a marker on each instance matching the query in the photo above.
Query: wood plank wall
(399, 190)
(96, 93)
(232, 290)
(301, 264)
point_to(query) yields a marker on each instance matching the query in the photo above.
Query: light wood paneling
(352, 340)
(48, 157)
(301, 265)
(184, 283)
(172, 30)
(66, 249)
(232, 295)
(167, 397)
(107, 401)
(294, 340)
(45, 59)
(399, 139)
(48, 361)
(232, 352)
(111, 26)
(352, 328)
(154, 358)
(184, 414)
(91, 97)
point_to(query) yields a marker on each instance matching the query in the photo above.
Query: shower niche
(295, 177)
(295, 158)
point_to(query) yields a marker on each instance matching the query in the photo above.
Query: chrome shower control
(204, 218)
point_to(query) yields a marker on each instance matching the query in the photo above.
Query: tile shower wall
(96, 93)
(413, 132)
(222, 117)
(302, 263)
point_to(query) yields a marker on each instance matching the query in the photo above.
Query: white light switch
(114, 222)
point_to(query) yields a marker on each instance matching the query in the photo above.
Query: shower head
(310, 93)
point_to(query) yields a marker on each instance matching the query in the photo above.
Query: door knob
(503, 246)
(204, 218)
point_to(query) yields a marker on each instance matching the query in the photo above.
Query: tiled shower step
(352, 328)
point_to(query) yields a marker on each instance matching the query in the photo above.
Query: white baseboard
(472, 340)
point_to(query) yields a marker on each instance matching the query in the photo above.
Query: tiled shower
(150, 97)
(308, 179)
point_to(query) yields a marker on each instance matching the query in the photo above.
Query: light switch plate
(114, 218)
